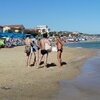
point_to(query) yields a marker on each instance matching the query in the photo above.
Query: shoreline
(88, 44)
(94, 40)
(87, 82)
(21, 83)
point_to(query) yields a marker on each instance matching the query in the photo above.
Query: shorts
(27, 50)
(61, 50)
(43, 52)
(35, 48)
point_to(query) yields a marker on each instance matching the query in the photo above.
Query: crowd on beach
(40, 49)
(9, 42)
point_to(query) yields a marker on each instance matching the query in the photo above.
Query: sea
(93, 44)
(86, 86)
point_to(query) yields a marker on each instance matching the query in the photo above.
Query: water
(84, 87)
(95, 44)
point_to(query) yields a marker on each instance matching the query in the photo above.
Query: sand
(18, 82)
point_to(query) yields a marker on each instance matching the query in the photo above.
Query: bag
(48, 47)
(54, 49)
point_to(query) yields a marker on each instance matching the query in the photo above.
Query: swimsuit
(60, 50)
(35, 48)
(27, 48)
(43, 52)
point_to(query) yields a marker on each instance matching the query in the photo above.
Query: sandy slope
(17, 82)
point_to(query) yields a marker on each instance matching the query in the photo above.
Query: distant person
(28, 43)
(44, 50)
(59, 48)
(35, 49)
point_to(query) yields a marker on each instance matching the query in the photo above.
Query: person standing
(44, 51)
(28, 44)
(35, 49)
(59, 48)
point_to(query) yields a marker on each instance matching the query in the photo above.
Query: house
(42, 29)
(1, 28)
(75, 33)
(30, 30)
(14, 28)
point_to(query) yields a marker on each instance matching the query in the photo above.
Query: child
(59, 49)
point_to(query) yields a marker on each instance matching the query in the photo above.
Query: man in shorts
(44, 52)
(59, 48)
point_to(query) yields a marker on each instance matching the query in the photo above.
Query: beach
(19, 82)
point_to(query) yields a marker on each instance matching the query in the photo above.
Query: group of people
(40, 49)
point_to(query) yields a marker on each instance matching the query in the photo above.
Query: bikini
(27, 48)
(60, 50)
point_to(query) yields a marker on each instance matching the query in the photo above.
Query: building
(1, 28)
(75, 33)
(14, 28)
(42, 29)
(30, 30)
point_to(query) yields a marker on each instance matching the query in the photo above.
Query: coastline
(94, 40)
(86, 86)
(84, 44)
(21, 83)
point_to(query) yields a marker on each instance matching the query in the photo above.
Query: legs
(41, 58)
(45, 58)
(36, 59)
(28, 59)
(59, 53)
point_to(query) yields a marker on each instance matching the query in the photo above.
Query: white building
(6, 29)
(42, 28)
(14, 28)
(76, 33)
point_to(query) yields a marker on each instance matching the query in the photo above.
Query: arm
(40, 44)
(36, 42)
(49, 42)
(31, 43)
(60, 41)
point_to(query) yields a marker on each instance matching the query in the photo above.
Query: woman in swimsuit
(28, 44)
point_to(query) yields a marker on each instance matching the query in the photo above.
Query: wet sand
(85, 86)
(18, 82)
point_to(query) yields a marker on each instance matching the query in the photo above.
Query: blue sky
(64, 15)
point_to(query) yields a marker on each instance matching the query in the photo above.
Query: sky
(60, 15)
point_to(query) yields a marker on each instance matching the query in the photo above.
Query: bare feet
(45, 66)
(59, 65)
(28, 66)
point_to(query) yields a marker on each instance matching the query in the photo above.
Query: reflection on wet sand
(84, 87)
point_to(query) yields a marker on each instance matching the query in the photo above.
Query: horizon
(58, 15)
